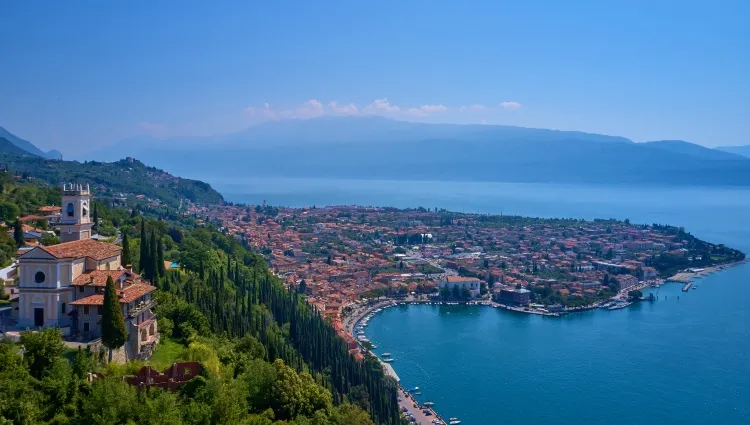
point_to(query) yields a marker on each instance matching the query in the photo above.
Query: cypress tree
(143, 260)
(126, 259)
(153, 269)
(96, 219)
(113, 324)
(160, 259)
(18, 234)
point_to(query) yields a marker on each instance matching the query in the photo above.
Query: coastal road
(405, 401)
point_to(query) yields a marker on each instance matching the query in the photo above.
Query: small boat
(389, 360)
(454, 421)
(429, 403)
(386, 354)
(414, 389)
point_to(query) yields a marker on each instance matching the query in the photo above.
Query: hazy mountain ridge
(738, 150)
(28, 146)
(379, 148)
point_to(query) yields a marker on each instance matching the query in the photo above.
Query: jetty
(687, 286)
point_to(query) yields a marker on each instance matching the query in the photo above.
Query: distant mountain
(338, 130)
(7, 147)
(739, 150)
(378, 148)
(693, 150)
(28, 146)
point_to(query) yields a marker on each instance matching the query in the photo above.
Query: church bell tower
(75, 223)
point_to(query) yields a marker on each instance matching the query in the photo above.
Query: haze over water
(672, 361)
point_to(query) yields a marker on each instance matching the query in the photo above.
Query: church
(63, 285)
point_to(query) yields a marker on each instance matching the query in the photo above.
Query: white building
(471, 283)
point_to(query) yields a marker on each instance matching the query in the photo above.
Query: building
(520, 296)
(472, 284)
(63, 285)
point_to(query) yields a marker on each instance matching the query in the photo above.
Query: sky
(79, 75)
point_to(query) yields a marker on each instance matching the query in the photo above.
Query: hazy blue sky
(74, 74)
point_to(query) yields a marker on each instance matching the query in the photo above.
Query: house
(63, 285)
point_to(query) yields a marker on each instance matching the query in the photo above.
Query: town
(339, 255)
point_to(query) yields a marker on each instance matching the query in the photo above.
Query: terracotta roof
(100, 277)
(84, 248)
(135, 291)
(29, 218)
(97, 299)
(129, 294)
(50, 208)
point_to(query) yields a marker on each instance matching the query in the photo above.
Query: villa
(63, 285)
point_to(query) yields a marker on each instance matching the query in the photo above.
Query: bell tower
(75, 223)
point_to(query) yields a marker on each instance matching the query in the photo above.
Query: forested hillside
(130, 177)
(268, 358)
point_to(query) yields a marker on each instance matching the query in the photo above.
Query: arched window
(39, 277)
(71, 210)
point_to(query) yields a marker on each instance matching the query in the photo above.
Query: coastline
(686, 277)
(406, 399)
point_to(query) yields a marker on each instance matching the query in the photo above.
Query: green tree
(126, 259)
(143, 258)
(41, 350)
(635, 295)
(113, 324)
(160, 259)
(153, 272)
(18, 234)
(9, 211)
(95, 217)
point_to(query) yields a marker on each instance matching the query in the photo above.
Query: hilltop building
(63, 285)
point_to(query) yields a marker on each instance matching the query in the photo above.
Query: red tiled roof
(135, 291)
(96, 299)
(84, 248)
(50, 208)
(129, 294)
(30, 218)
(100, 277)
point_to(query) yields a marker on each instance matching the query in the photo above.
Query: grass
(166, 353)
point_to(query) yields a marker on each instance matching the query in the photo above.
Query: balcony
(139, 307)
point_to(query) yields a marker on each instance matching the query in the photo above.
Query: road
(405, 401)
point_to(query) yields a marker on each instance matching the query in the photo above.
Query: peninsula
(337, 255)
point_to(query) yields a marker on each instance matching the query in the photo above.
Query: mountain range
(28, 146)
(380, 148)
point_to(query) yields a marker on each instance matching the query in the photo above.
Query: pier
(687, 286)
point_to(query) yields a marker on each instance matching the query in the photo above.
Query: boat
(429, 403)
(389, 360)
(386, 354)
(454, 421)
(414, 389)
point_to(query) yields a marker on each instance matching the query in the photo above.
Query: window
(100, 310)
(62, 308)
(86, 310)
(70, 210)
(80, 289)
(39, 277)
(85, 326)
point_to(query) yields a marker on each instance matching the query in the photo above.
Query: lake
(682, 359)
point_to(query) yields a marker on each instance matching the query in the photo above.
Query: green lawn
(166, 353)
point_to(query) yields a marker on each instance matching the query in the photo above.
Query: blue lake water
(678, 360)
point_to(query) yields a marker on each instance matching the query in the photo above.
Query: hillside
(693, 150)
(7, 147)
(27, 146)
(127, 177)
(377, 148)
(738, 150)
